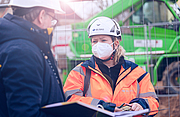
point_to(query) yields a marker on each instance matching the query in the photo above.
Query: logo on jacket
(127, 90)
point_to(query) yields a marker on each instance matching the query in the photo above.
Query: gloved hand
(107, 105)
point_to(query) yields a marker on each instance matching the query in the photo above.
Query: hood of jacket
(13, 27)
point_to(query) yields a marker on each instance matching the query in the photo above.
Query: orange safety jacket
(133, 83)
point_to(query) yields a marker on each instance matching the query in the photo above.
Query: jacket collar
(17, 28)
(92, 62)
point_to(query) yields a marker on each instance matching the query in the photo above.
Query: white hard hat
(104, 26)
(51, 4)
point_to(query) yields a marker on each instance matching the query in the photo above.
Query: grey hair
(32, 15)
(29, 14)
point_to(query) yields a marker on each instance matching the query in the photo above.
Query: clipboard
(80, 109)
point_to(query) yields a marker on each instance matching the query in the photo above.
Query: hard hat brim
(59, 12)
(55, 5)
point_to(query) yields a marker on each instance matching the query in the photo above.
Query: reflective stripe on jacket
(133, 82)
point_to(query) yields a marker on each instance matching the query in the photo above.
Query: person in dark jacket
(29, 77)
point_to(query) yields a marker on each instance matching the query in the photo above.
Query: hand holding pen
(129, 107)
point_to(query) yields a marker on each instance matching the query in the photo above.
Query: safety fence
(151, 40)
(154, 46)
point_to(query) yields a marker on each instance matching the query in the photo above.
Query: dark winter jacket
(29, 78)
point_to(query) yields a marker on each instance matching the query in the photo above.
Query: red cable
(4, 13)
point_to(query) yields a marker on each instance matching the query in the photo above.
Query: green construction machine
(150, 36)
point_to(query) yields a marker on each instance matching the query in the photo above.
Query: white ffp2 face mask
(102, 50)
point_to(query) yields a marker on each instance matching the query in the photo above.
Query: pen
(121, 105)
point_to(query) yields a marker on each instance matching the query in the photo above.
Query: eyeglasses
(54, 21)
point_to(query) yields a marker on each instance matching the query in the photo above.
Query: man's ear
(41, 17)
(39, 21)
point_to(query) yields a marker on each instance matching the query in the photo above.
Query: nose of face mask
(102, 50)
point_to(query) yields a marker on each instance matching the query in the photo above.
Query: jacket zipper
(98, 72)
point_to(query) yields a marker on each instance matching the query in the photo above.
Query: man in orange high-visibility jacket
(113, 80)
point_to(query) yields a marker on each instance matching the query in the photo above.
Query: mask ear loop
(113, 38)
(113, 54)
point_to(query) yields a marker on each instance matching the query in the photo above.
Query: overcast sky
(86, 9)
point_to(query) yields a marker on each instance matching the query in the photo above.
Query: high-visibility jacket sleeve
(147, 93)
(74, 87)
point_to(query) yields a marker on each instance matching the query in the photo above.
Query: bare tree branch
(4, 1)
(102, 4)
